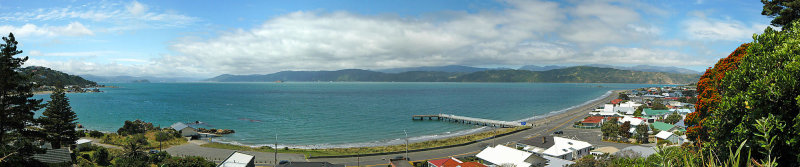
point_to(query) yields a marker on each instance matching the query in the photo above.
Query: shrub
(96, 134)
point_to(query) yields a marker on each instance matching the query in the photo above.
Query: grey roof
(179, 126)
(680, 123)
(556, 162)
(644, 151)
(54, 156)
(309, 164)
(537, 142)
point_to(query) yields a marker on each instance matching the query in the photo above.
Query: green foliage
(187, 161)
(130, 162)
(135, 146)
(83, 162)
(101, 156)
(48, 77)
(610, 129)
(638, 112)
(765, 83)
(624, 128)
(96, 134)
(58, 122)
(673, 118)
(159, 157)
(658, 104)
(767, 128)
(783, 12)
(641, 134)
(16, 107)
(655, 131)
(623, 96)
(135, 127)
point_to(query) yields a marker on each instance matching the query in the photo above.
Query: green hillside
(580, 74)
(48, 77)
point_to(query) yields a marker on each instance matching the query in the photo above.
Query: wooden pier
(467, 120)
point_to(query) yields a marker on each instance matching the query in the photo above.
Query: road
(562, 122)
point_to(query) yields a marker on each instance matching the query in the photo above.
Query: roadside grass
(369, 150)
(119, 140)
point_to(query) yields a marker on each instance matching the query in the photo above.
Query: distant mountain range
(468, 69)
(578, 74)
(132, 79)
(49, 77)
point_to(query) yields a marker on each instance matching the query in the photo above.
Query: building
(308, 164)
(642, 151)
(453, 162)
(652, 115)
(55, 156)
(669, 136)
(237, 159)
(626, 110)
(558, 147)
(400, 162)
(635, 121)
(83, 143)
(502, 155)
(184, 129)
(664, 126)
(592, 121)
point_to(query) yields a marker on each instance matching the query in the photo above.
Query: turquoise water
(326, 114)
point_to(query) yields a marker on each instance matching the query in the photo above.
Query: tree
(610, 128)
(101, 156)
(624, 128)
(58, 122)
(187, 161)
(638, 112)
(673, 118)
(641, 134)
(655, 131)
(16, 107)
(162, 136)
(658, 104)
(135, 127)
(623, 96)
(784, 12)
(765, 83)
(135, 146)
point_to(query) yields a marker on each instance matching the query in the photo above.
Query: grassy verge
(369, 150)
(119, 140)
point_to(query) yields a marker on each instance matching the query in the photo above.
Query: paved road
(96, 141)
(559, 122)
(217, 155)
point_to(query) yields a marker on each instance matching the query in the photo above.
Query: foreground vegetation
(370, 150)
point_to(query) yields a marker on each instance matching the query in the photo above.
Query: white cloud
(136, 8)
(134, 15)
(730, 30)
(72, 29)
(71, 54)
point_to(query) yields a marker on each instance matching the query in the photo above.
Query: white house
(82, 143)
(634, 121)
(502, 155)
(630, 104)
(671, 137)
(237, 159)
(184, 129)
(558, 147)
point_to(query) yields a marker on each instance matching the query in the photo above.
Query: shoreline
(548, 117)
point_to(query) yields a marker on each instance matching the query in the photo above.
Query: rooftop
(543, 142)
(178, 126)
(237, 160)
(662, 126)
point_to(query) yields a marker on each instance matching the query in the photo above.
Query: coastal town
(624, 123)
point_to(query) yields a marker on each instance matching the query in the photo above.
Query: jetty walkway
(468, 120)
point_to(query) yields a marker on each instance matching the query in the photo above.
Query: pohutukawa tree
(58, 122)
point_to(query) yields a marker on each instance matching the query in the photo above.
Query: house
(616, 101)
(592, 121)
(681, 125)
(671, 137)
(635, 121)
(400, 162)
(556, 162)
(502, 155)
(308, 164)
(682, 111)
(237, 159)
(558, 147)
(625, 110)
(630, 104)
(453, 162)
(664, 126)
(184, 129)
(652, 115)
(83, 143)
(55, 156)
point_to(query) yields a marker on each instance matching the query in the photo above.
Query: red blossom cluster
(709, 96)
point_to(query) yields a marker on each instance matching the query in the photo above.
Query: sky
(205, 38)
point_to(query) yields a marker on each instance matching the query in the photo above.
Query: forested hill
(48, 77)
(580, 74)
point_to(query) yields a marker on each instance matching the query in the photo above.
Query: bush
(187, 161)
(81, 133)
(96, 134)
(135, 127)
(101, 156)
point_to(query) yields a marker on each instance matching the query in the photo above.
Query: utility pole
(276, 148)
(404, 131)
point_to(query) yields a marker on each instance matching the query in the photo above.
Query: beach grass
(370, 150)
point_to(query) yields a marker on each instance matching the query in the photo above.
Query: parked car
(558, 132)
(154, 151)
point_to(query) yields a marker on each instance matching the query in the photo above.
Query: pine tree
(16, 107)
(58, 122)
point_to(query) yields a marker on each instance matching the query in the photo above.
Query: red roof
(593, 119)
(616, 101)
(452, 162)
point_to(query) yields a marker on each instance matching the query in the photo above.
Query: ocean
(327, 114)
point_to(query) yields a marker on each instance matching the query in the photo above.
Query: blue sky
(208, 38)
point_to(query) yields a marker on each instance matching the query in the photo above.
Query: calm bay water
(326, 114)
